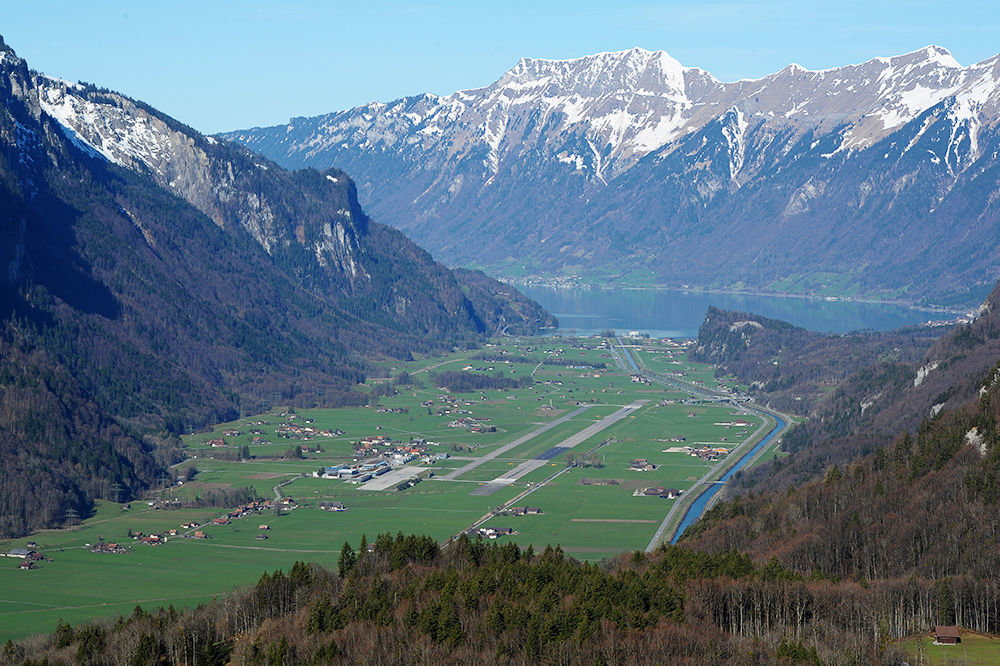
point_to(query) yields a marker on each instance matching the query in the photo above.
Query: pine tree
(348, 558)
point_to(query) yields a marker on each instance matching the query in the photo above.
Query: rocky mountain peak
(644, 148)
(636, 71)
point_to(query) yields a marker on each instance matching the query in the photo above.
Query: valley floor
(571, 445)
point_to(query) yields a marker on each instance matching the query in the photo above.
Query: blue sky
(228, 64)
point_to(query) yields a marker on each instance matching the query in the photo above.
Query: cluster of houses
(152, 539)
(107, 547)
(29, 557)
(521, 511)
(658, 491)
(304, 432)
(450, 405)
(389, 449)
(392, 410)
(332, 506)
(473, 424)
(379, 455)
(708, 453)
(492, 532)
(641, 465)
(255, 507)
(638, 379)
(250, 508)
(163, 504)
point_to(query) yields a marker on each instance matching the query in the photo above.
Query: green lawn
(974, 650)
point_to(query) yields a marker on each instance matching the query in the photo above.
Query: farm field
(591, 509)
(974, 650)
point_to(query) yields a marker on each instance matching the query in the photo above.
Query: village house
(641, 465)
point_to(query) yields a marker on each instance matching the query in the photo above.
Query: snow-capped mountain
(852, 176)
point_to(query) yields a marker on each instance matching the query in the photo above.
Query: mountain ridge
(569, 167)
(154, 280)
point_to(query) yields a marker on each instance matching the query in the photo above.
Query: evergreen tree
(348, 558)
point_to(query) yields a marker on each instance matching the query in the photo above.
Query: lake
(677, 314)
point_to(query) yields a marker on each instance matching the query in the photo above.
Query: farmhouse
(947, 635)
(494, 532)
(523, 511)
(19, 552)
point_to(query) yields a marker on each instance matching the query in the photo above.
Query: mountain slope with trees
(916, 376)
(171, 281)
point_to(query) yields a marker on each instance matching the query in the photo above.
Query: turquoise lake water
(678, 314)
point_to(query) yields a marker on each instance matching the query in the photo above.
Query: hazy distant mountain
(153, 279)
(877, 178)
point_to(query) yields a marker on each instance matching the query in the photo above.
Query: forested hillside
(403, 600)
(793, 369)
(155, 280)
(873, 405)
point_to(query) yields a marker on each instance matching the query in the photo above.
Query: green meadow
(588, 520)
(974, 650)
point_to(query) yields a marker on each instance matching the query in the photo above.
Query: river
(677, 314)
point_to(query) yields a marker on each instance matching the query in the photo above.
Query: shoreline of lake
(679, 313)
(911, 305)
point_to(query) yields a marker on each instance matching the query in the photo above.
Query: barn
(947, 635)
